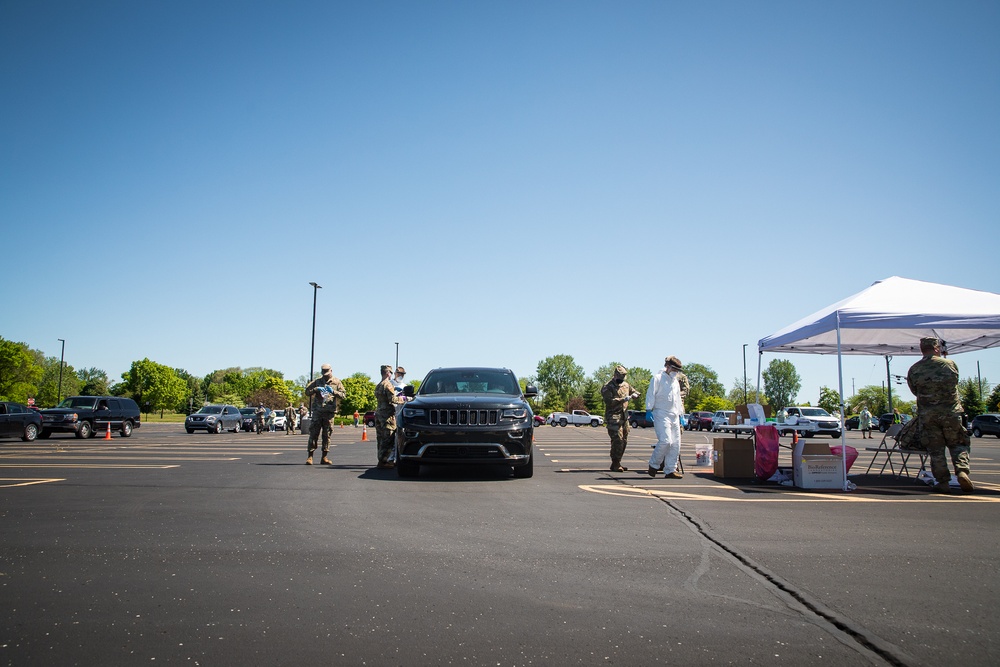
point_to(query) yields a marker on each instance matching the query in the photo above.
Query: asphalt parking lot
(204, 549)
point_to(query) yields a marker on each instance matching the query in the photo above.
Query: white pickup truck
(576, 418)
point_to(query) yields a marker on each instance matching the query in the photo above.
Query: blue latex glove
(649, 415)
(684, 421)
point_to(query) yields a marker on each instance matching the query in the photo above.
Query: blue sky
(486, 183)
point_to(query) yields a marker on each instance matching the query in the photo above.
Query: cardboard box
(733, 457)
(814, 467)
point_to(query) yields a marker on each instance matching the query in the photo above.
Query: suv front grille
(464, 417)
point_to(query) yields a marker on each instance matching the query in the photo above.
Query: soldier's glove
(649, 415)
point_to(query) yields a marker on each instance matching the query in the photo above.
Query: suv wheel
(406, 469)
(634, 424)
(86, 430)
(126, 428)
(30, 433)
(976, 432)
(189, 430)
(218, 427)
(527, 470)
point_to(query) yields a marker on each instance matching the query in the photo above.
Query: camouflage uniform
(326, 392)
(385, 420)
(289, 419)
(934, 381)
(616, 394)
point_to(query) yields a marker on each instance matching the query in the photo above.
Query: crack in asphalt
(838, 625)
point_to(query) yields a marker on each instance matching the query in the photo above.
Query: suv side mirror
(408, 391)
(530, 391)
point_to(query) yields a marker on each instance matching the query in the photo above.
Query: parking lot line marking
(103, 466)
(6, 482)
(84, 457)
(786, 497)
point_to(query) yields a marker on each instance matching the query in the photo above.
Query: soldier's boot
(965, 482)
(326, 459)
(309, 459)
(616, 466)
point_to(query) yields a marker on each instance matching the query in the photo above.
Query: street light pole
(745, 374)
(312, 346)
(62, 355)
(397, 355)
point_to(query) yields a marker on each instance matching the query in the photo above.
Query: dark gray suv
(86, 416)
(466, 416)
(988, 424)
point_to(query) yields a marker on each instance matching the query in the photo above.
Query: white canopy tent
(890, 318)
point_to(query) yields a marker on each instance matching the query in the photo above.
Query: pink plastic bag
(765, 452)
(852, 454)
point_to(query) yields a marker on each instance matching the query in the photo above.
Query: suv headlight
(413, 412)
(515, 413)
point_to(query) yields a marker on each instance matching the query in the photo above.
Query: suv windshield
(815, 412)
(469, 382)
(248, 412)
(79, 402)
(211, 410)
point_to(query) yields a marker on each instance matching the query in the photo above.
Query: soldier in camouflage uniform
(289, 419)
(934, 381)
(326, 392)
(385, 417)
(616, 393)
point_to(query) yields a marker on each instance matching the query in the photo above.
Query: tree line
(26, 374)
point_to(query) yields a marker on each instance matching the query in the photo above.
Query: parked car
(637, 419)
(370, 419)
(721, 419)
(466, 416)
(86, 416)
(700, 420)
(215, 419)
(539, 420)
(279, 420)
(852, 422)
(988, 424)
(885, 421)
(248, 419)
(19, 421)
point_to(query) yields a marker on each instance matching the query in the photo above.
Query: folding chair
(887, 448)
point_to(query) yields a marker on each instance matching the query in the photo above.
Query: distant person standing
(934, 381)
(326, 392)
(303, 412)
(664, 407)
(865, 422)
(357, 418)
(289, 419)
(617, 393)
(385, 417)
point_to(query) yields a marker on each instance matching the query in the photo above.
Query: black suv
(637, 419)
(466, 416)
(988, 424)
(86, 416)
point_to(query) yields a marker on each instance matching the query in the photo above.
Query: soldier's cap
(621, 370)
(326, 369)
(673, 362)
(929, 341)
(400, 370)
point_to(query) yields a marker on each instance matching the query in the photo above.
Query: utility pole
(62, 355)
(745, 374)
(312, 346)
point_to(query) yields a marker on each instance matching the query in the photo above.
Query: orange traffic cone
(107, 434)
(364, 433)
(341, 424)
(795, 437)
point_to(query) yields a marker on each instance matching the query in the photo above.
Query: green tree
(360, 392)
(704, 382)
(829, 400)
(154, 386)
(874, 397)
(50, 390)
(591, 393)
(735, 395)
(781, 383)
(972, 400)
(559, 377)
(639, 378)
(19, 372)
(713, 403)
(993, 402)
(93, 382)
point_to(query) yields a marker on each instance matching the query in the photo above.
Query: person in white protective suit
(665, 401)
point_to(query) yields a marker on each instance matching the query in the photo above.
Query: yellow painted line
(86, 465)
(6, 482)
(787, 497)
